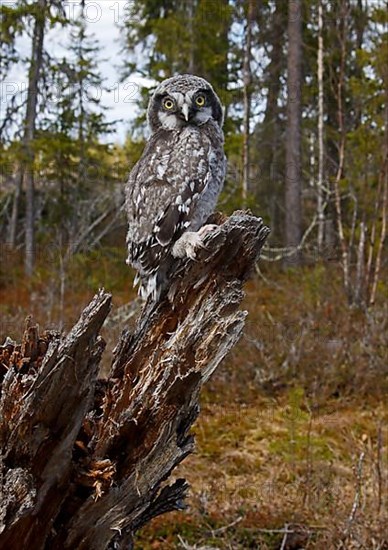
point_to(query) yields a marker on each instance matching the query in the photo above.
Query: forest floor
(292, 439)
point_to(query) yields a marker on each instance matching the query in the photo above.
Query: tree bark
(293, 184)
(84, 461)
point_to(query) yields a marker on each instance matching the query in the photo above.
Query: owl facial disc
(180, 109)
(184, 100)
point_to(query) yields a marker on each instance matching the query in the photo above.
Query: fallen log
(85, 462)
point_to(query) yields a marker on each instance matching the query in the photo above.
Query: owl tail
(148, 286)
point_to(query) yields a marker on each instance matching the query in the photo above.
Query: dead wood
(84, 462)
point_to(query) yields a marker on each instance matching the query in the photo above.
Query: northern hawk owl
(174, 186)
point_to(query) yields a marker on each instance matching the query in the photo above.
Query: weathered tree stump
(84, 462)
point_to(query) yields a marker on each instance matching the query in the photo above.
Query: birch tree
(320, 190)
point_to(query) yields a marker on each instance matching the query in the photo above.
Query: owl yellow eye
(168, 104)
(200, 100)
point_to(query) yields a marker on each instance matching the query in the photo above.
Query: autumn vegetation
(292, 439)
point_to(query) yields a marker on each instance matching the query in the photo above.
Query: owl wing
(162, 195)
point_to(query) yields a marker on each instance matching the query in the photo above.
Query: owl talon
(205, 229)
(187, 245)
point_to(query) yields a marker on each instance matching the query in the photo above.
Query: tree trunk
(29, 131)
(13, 225)
(293, 182)
(342, 37)
(83, 461)
(320, 191)
(247, 80)
(269, 141)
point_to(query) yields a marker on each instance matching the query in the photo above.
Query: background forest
(292, 440)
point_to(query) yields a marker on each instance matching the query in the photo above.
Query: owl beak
(185, 111)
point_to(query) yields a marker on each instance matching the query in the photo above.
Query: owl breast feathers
(174, 187)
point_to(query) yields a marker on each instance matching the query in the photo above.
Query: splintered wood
(29, 354)
(85, 462)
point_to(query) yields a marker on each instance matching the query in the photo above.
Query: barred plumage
(174, 187)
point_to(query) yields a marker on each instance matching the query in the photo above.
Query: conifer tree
(72, 137)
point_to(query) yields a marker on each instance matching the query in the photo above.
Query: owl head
(181, 101)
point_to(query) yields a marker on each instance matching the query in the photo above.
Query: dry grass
(269, 466)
